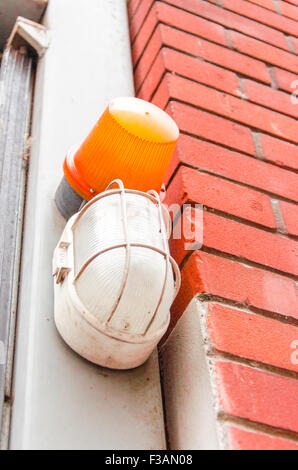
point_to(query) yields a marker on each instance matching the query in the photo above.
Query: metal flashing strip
(15, 105)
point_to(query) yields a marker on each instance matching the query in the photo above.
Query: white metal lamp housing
(114, 278)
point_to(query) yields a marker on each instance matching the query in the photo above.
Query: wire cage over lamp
(114, 277)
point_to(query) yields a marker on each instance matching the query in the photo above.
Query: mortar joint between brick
(273, 78)
(277, 6)
(131, 16)
(228, 216)
(242, 90)
(258, 145)
(250, 223)
(215, 355)
(241, 183)
(290, 44)
(144, 19)
(220, 24)
(233, 149)
(257, 426)
(279, 220)
(229, 39)
(157, 55)
(247, 308)
(158, 85)
(145, 46)
(215, 112)
(246, 261)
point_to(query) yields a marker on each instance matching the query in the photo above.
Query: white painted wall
(60, 400)
(190, 414)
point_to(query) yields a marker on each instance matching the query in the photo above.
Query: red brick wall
(223, 69)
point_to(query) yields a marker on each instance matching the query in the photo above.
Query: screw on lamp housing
(133, 140)
(114, 278)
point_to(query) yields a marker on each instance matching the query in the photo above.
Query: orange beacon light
(133, 140)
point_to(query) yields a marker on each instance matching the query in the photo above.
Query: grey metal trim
(15, 104)
(68, 201)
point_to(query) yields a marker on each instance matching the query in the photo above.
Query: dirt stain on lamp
(133, 140)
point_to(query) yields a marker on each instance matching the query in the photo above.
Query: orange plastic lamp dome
(133, 140)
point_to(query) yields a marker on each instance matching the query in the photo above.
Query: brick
(264, 16)
(205, 273)
(243, 242)
(289, 10)
(164, 13)
(144, 35)
(269, 98)
(195, 69)
(259, 396)
(149, 56)
(202, 124)
(153, 78)
(235, 166)
(251, 336)
(285, 80)
(234, 21)
(139, 17)
(190, 23)
(214, 53)
(161, 98)
(232, 108)
(279, 152)
(190, 186)
(241, 439)
(290, 216)
(264, 52)
(132, 7)
(200, 71)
